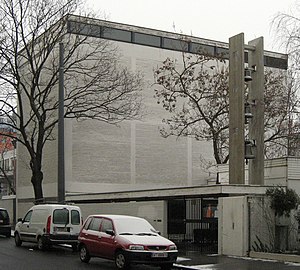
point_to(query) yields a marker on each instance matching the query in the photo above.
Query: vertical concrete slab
(236, 110)
(256, 124)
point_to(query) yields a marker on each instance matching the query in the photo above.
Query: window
(106, 225)
(209, 209)
(116, 34)
(84, 29)
(95, 224)
(175, 44)
(224, 52)
(27, 218)
(87, 223)
(201, 48)
(61, 216)
(145, 39)
(75, 217)
(6, 164)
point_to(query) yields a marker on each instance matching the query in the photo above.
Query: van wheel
(84, 254)
(40, 243)
(18, 240)
(121, 261)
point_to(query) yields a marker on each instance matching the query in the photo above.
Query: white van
(49, 224)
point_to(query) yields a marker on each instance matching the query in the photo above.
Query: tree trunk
(36, 180)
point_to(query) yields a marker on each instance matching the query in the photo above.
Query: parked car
(5, 226)
(126, 240)
(49, 224)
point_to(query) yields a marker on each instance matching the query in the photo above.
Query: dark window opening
(116, 34)
(145, 39)
(202, 49)
(175, 44)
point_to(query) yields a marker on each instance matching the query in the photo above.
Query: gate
(193, 224)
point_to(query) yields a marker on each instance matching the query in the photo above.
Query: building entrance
(193, 224)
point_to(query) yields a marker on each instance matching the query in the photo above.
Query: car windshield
(134, 226)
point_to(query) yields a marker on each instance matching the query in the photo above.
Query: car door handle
(99, 236)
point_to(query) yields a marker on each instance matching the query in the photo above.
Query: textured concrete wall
(104, 158)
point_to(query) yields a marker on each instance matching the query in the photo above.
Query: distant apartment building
(7, 160)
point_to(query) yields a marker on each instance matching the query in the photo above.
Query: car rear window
(61, 216)
(75, 217)
(3, 214)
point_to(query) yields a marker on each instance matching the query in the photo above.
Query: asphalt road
(27, 257)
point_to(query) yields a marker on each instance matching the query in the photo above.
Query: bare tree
(96, 85)
(287, 35)
(195, 93)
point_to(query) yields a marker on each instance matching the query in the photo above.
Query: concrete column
(256, 100)
(236, 110)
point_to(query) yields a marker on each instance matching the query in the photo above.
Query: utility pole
(250, 77)
(61, 129)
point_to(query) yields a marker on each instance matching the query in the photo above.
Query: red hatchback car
(126, 240)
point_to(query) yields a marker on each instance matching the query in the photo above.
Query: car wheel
(40, 243)
(18, 240)
(121, 260)
(166, 266)
(84, 254)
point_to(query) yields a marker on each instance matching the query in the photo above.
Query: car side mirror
(20, 219)
(110, 232)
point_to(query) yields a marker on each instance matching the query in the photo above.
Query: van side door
(26, 232)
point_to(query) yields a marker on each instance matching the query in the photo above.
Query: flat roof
(162, 39)
(168, 193)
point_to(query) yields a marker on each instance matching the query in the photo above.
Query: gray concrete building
(130, 168)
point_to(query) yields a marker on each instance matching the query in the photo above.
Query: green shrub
(283, 200)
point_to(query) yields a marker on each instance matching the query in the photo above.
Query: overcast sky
(214, 19)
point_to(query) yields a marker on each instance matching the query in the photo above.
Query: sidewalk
(196, 260)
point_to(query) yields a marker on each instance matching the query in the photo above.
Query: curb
(275, 256)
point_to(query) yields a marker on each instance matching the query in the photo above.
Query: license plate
(159, 255)
(65, 229)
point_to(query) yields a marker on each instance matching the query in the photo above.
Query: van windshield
(61, 216)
